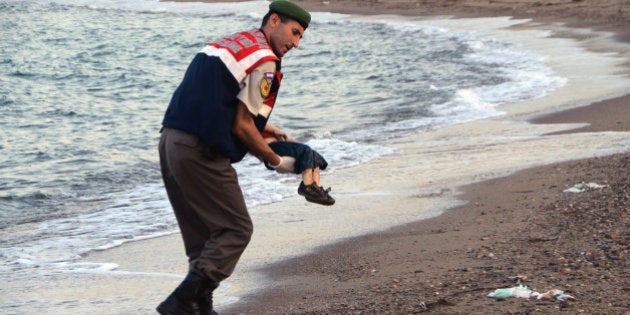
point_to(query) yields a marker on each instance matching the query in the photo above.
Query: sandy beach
(479, 218)
(517, 229)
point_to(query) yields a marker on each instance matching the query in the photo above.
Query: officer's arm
(244, 129)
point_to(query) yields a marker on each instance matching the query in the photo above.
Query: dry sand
(519, 227)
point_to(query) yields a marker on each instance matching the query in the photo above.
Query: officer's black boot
(185, 300)
(205, 302)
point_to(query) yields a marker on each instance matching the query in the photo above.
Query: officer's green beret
(291, 10)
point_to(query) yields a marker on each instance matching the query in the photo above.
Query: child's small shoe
(316, 194)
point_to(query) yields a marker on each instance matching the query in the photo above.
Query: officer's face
(284, 36)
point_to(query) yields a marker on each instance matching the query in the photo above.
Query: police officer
(216, 116)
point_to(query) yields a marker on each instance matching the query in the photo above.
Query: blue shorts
(304, 156)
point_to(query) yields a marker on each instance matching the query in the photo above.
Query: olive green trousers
(208, 203)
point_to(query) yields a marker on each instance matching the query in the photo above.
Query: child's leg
(307, 176)
(311, 175)
(316, 176)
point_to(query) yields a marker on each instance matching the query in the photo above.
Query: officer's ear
(274, 20)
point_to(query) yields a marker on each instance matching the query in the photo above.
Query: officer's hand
(280, 135)
(286, 165)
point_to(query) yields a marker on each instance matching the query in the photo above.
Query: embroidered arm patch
(265, 83)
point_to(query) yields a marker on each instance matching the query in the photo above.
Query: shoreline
(520, 226)
(607, 15)
(360, 274)
(406, 241)
(515, 227)
(367, 276)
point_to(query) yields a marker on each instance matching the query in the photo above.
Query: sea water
(84, 86)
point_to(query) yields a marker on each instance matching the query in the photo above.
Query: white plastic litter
(522, 291)
(555, 293)
(578, 188)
